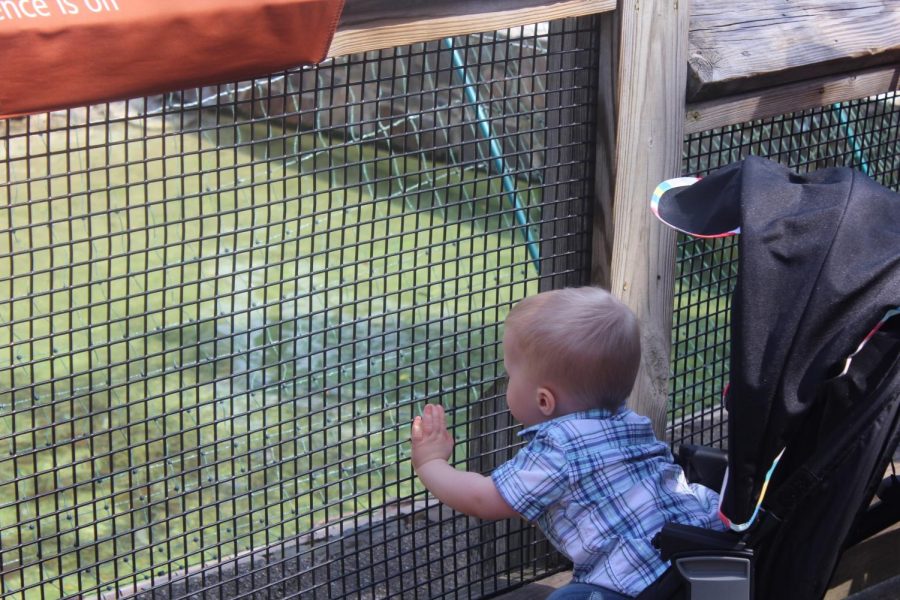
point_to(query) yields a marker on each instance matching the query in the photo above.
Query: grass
(210, 345)
(706, 275)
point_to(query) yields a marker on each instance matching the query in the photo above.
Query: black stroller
(814, 397)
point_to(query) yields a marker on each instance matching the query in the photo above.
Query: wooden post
(647, 102)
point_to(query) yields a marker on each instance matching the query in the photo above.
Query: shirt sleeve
(533, 479)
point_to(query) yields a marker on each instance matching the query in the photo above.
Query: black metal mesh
(863, 134)
(220, 309)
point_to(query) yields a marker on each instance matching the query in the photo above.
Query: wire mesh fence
(862, 134)
(220, 309)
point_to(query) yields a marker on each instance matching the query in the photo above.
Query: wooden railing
(772, 57)
(375, 24)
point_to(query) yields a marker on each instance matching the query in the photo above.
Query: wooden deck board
(738, 47)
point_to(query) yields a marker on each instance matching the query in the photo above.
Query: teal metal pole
(484, 125)
(854, 142)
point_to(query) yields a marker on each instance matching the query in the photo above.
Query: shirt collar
(592, 413)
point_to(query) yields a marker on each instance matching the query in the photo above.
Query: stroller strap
(879, 358)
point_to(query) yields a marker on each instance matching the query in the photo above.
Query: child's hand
(430, 438)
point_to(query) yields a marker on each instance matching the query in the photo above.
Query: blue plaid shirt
(600, 486)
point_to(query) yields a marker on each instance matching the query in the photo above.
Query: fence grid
(220, 309)
(863, 134)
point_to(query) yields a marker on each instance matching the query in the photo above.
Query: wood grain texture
(736, 47)
(771, 102)
(359, 14)
(649, 134)
(376, 24)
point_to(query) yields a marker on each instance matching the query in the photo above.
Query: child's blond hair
(583, 342)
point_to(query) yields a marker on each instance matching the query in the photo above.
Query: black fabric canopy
(819, 267)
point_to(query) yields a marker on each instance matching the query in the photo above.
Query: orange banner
(62, 53)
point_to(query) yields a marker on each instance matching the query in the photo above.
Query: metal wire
(862, 134)
(220, 309)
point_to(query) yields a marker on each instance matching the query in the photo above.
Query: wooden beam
(737, 47)
(772, 102)
(652, 71)
(375, 24)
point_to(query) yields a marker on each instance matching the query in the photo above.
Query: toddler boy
(592, 475)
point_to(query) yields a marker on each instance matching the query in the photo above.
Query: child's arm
(470, 493)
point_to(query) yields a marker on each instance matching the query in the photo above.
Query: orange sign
(61, 53)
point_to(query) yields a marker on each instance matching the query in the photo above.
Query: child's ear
(546, 401)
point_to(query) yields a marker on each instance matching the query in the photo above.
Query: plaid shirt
(600, 486)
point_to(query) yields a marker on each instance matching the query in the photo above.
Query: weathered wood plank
(651, 80)
(737, 47)
(360, 14)
(771, 102)
(375, 24)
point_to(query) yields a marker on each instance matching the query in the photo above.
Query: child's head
(579, 345)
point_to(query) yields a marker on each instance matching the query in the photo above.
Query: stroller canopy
(818, 269)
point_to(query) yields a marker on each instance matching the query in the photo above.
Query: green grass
(204, 349)
(701, 333)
